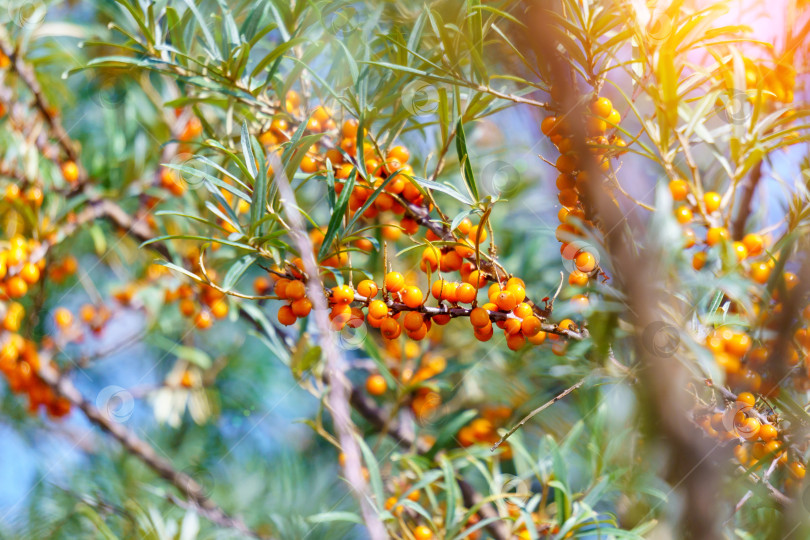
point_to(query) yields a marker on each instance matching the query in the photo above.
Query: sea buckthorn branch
(27, 76)
(537, 411)
(394, 429)
(340, 388)
(145, 453)
(633, 275)
(744, 208)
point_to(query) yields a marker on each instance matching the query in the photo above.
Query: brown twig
(189, 487)
(537, 411)
(744, 210)
(27, 76)
(340, 388)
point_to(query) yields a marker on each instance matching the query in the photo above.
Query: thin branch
(189, 487)
(537, 411)
(339, 386)
(744, 210)
(27, 76)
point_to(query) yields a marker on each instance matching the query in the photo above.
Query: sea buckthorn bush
(459, 269)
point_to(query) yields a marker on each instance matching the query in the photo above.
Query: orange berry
(34, 195)
(749, 429)
(16, 287)
(745, 401)
(394, 281)
(585, 262)
(450, 292)
(377, 309)
(753, 243)
(768, 432)
(791, 280)
(578, 278)
(506, 301)
(566, 324)
(296, 290)
(602, 107)
(300, 308)
(548, 124)
(479, 318)
(523, 310)
(203, 320)
(515, 341)
(30, 273)
(261, 286)
(797, 469)
(699, 260)
(450, 261)
(715, 235)
(413, 321)
(760, 272)
(538, 338)
(476, 279)
(12, 192)
(511, 326)
(390, 328)
(342, 294)
(286, 315)
(187, 308)
(466, 293)
(739, 344)
(712, 201)
(464, 226)
(431, 256)
(376, 385)
(219, 309)
(367, 288)
(679, 189)
(566, 164)
(683, 214)
(531, 326)
(412, 297)
(70, 171)
(399, 153)
(422, 533)
(517, 291)
(63, 317)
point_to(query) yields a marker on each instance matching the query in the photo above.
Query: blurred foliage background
(144, 87)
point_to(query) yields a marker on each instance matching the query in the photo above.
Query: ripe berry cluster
(18, 270)
(760, 439)
(572, 181)
(199, 301)
(20, 362)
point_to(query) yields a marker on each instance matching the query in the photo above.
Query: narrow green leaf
(464, 160)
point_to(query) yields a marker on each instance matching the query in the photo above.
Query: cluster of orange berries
(751, 245)
(571, 182)
(483, 430)
(19, 362)
(171, 181)
(518, 321)
(94, 317)
(778, 81)
(734, 354)
(60, 270)
(202, 302)
(33, 195)
(402, 491)
(759, 437)
(17, 270)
